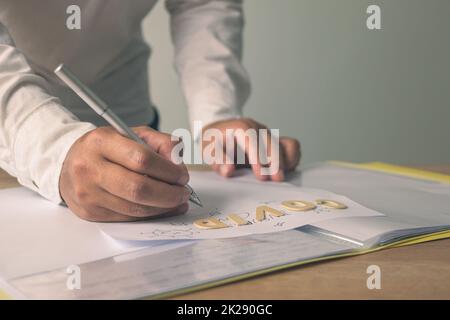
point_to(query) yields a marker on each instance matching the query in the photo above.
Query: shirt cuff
(41, 146)
(205, 114)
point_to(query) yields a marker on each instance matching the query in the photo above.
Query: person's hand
(289, 149)
(107, 177)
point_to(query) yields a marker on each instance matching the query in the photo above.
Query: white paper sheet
(36, 236)
(222, 197)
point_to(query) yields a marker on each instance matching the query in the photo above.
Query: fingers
(247, 141)
(141, 189)
(225, 170)
(291, 152)
(226, 166)
(95, 213)
(139, 158)
(243, 149)
(111, 214)
(273, 156)
(131, 209)
(267, 160)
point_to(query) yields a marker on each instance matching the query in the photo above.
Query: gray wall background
(318, 74)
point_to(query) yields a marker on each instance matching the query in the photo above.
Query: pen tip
(196, 200)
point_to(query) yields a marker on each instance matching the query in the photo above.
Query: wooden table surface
(414, 272)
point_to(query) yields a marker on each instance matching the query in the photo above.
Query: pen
(100, 107)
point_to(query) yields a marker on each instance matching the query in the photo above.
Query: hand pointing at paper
(288, 150)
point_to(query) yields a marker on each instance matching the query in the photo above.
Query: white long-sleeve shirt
(40, 118)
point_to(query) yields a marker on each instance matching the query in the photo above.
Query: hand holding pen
(110, 175)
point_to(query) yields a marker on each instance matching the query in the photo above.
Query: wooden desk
(415, 272)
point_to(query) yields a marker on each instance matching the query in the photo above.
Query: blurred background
(318, 74)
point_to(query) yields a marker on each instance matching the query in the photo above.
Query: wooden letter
(331, 204)
(210, 223)
(261, 212)
(298, 205)
(237, 220)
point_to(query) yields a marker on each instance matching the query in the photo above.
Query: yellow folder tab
(4, 296)
(398, 170)
(425, 238)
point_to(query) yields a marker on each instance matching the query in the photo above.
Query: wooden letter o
(331, 204)
(298, 205)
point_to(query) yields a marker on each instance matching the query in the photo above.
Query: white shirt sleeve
(207, 35)
(36, 132)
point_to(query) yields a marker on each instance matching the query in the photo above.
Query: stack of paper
(39, 240)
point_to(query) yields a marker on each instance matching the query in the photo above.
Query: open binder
(416, 205)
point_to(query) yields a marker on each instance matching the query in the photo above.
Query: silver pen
(100, 107)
